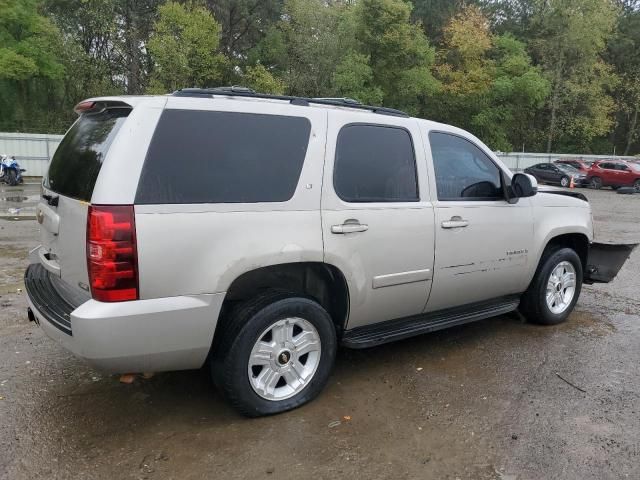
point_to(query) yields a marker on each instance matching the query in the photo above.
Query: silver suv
(254, 233)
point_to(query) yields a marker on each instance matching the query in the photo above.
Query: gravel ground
(482, 401)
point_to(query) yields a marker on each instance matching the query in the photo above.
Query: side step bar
(392, 330)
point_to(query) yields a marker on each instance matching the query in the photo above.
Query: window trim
(502, 173)
(369, 124)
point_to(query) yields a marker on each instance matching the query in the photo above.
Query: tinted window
(463, 171)
(223, 157)
(75, 165)
(375, 164)
(542, 166)
(610, 166)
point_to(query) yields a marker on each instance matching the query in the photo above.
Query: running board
(392, 330)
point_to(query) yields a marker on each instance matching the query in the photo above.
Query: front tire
(555, 287)
(275, 353)
(564, 182)
(636, 185)
(596, 183)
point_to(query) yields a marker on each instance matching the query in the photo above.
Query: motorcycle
(10, 171)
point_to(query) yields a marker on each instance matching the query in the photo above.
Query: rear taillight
(112, 258)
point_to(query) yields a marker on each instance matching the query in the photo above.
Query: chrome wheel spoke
(568, 280)
(267, 381)
(293, 377)
(261, 354)
(306, 342)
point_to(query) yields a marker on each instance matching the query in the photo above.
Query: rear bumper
(173, 333)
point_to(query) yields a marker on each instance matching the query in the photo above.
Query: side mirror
(522, 185)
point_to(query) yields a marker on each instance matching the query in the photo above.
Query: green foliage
(303, 47)
(535, 74)
(570, 37)
(261, 80)
(490, 86)
(184, 46)
(397, 50)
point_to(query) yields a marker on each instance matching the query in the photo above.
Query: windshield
(76, 164)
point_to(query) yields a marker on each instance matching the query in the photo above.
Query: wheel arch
(323, 282)
(579, 242)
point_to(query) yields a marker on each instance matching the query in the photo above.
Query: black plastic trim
(392, 330)
(50, 297)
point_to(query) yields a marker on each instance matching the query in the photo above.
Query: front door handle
(349, 226)
(455, 222)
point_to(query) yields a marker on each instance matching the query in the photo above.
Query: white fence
(34, 151)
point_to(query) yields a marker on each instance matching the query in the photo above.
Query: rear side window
(76, 164)
(375, 164)
(223, 157)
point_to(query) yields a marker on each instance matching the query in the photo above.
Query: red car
(582, 165)
(615, 174)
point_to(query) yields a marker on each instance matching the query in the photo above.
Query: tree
(396, 51)
(184, 48)
(30, 65)
(571, 36)
(244, 23)
(261, 80)
(489, 84)
(624, 54)
(304, 47)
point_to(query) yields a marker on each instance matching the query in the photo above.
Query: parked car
(614, 174)
(558, 174)
(292, 225)
(582, 165)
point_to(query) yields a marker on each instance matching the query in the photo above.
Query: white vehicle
(256, 233)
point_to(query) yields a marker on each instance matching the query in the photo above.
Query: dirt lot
(483, 401)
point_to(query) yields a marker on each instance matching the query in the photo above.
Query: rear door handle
(349, 226)
(455, 222)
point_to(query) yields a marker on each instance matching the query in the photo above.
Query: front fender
(605, 261)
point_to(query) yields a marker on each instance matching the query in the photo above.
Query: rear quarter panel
(192, 249)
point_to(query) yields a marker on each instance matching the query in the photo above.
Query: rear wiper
(51, 200)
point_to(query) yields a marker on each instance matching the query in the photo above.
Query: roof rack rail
(239, 91)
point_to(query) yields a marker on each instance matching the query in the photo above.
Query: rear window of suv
(223, 157)
(76, 164)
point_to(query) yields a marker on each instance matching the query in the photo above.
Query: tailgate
(67, 189)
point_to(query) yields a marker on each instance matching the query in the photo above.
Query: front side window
(463, 171)
(375, 163)
(223, 157)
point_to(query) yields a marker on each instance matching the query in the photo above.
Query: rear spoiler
(605, 261)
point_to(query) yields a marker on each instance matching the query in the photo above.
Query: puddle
(16, 199)
(588, 324)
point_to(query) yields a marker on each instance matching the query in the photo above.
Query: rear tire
(275, 353)
(555, 287)
(12, 179)
(596, 183)
(636, 185)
